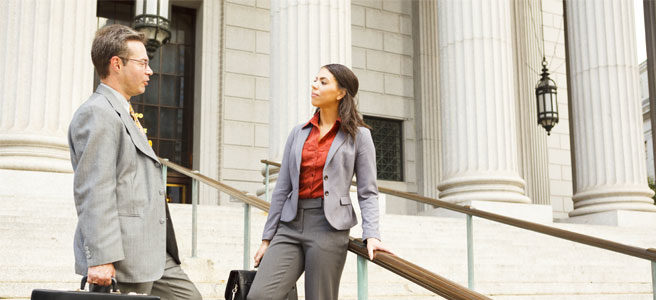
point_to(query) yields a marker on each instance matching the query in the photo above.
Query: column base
(484, 187)
(527, 212)
(34, 153)
(619, 218)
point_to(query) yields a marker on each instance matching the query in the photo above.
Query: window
(388, 139)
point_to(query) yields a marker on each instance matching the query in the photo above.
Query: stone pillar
(477, 94)
(209, 88)
(427, 103)
(46, 74)
(607, 121)
(533, 159)
(305, 35)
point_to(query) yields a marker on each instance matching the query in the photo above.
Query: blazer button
(161, 221)
(158, 164)
(325, 177)
(326, 194)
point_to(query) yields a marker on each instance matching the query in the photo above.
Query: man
(124, 229)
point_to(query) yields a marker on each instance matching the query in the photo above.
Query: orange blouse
(313, 158)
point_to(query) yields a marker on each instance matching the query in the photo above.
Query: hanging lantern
(152, 18)
(547, 102)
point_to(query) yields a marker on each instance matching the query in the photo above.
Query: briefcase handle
(102, 289)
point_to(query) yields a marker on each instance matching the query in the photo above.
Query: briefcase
(42, 294)
(239, 283)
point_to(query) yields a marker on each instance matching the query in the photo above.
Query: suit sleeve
(280, 192)
(365, 170)
(94, 138)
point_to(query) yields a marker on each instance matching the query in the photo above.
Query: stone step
(36, 251)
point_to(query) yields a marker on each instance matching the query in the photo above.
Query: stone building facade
(454, 81)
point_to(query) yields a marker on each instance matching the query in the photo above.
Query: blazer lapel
(138, 137)
(337, 142)
(303, 135)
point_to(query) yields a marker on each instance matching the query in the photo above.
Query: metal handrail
(433, 282)
(644, 253)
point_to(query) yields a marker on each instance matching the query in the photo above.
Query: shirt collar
(315, 121)
(125, 104)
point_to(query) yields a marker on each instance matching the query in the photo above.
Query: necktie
(135, 117)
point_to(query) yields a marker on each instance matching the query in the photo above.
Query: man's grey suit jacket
(119, 192)
(346, 157)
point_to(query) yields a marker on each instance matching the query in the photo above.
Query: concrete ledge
(620, 218)
(528, 212)
(21, 184)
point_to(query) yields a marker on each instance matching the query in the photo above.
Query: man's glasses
(142, 62)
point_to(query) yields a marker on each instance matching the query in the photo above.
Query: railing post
(363, 280)
(165, 169)
(653, 279)
(194, 211)
(470, 253)
(266, 182)
(247, 236)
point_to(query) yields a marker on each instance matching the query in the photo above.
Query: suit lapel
(303, 135)
(337, 142)
(138, 137)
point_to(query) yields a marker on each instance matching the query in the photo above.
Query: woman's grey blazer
(346, 157)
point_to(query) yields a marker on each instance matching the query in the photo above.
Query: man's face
(136, 71)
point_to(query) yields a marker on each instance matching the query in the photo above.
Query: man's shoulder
(98, 105)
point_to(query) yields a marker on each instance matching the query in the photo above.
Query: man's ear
(115, 63)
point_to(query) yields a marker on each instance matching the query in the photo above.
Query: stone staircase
(510, 263)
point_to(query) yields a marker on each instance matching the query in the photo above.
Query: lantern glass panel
(554, 101)
(547, 102)
(151, 7)
(138, 7)
(540, 103)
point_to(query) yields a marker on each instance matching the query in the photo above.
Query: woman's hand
(260, 252)
(375, 244)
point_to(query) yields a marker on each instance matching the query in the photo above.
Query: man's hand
(101, 274)
(375, 244)
(260, 252)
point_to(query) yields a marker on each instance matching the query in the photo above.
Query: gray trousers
(174, 284)
(310, 244)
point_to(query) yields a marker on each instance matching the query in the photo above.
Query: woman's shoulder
(297, 128)
(364, 131)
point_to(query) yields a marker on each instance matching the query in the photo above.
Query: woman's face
(325, 91)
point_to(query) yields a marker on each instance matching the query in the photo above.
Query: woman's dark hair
(347, 109)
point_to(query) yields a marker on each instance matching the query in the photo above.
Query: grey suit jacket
(118, 190)
(346, 157)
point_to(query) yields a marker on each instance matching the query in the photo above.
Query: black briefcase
(239, 282)
(114, 294)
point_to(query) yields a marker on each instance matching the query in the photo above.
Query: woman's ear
(342, 93)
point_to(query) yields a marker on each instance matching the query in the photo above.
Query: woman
(307, 229)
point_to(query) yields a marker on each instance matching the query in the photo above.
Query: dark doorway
(167, 105)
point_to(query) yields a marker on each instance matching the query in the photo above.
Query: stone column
(209, 89)
(609, 150)
(427, 103)
(305, 34)
(46, 74)
(532, 138)
(477, 94)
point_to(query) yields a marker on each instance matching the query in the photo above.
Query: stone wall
(560, 166)
(383, 61)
